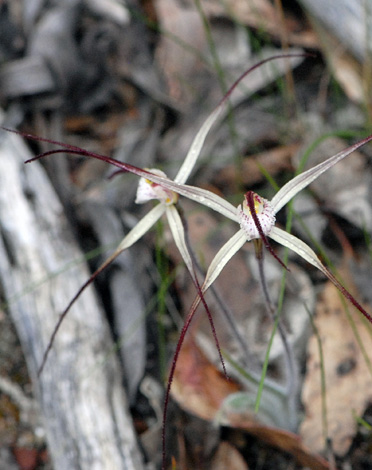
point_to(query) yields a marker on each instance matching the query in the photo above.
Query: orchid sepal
(178, 233)
(223, 256)
(132, 236)
(202, 196)
(142, 227)
(195, 149)
(299, 182)
(298, 246)
(198, 142)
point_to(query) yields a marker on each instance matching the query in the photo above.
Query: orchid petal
(298, 246)
(202, 196)
(197, 144)
(178, 232)
(222, 257)
(135, 234)
(289, 190)
(206, 198)
(141, 227)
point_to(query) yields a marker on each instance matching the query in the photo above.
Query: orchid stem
(161, 263)
(291, 365)
(227, 314)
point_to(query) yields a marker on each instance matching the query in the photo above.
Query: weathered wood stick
(86, 418)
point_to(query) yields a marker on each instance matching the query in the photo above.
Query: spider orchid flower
(256, 218)
(154, 184)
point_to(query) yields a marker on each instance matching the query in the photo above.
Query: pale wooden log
(80, 391)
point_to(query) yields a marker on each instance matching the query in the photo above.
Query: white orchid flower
(256, 218)
(154, 184)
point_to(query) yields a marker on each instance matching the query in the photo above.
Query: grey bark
(80, 391)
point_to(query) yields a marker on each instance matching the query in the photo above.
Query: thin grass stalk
(162, 266)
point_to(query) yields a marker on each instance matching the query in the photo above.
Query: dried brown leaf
(26, 458)
(284, 440)
(346, 69)
(228, 457)
(348, 376)
(200, 389)
(263, 15)
(198, 386)
(176, 52)
(274, 160)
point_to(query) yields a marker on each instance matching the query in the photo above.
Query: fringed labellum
(264, 212)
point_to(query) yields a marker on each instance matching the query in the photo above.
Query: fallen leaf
(264, 16)
(283, 440)
(176, 52)
(274, 161)
(348, 375)
(346, 69)
(227, 456)
(200, 388)
(26, 458)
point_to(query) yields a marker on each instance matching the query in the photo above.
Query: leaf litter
(348, 373)
(347, 366)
